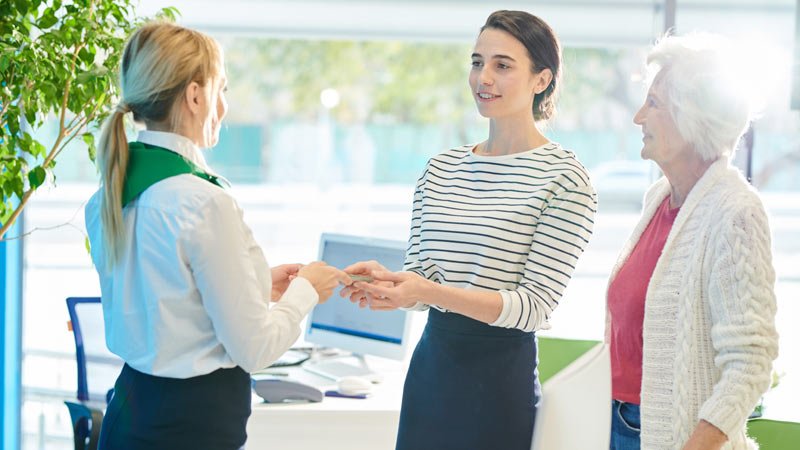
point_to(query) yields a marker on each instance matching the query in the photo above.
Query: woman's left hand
(408, 289)
(706, 437)
(281, 277)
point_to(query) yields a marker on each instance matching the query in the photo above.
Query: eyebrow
(478, 55)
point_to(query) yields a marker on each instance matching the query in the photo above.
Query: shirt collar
(176, 143)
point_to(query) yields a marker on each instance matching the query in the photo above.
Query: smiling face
(662, 142)
(501, 79)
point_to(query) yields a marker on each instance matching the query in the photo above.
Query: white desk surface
(335, 423)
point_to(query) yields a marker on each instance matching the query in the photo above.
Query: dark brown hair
(543, 48)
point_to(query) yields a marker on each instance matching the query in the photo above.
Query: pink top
(626, 298)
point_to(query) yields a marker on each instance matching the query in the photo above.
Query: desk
(334, 423)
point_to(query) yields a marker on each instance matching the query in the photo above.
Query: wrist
(427, 291)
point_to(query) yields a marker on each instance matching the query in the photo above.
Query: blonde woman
(185, 288)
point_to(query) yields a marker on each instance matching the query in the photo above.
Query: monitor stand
(334, 368)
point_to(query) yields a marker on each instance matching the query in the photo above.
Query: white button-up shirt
(190, 292)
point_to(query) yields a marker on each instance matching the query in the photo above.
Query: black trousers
(205, 412)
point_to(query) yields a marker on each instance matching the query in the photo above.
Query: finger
(358, 268)
(357, 296)
(381, 305)
(374, 289)
(344, 278)
(291, 268)
(385, 275)
(347, 291)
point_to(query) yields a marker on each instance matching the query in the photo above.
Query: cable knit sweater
(709, 323)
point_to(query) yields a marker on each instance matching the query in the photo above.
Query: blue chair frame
(86, 419)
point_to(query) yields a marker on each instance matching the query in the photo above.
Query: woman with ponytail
(185, 288)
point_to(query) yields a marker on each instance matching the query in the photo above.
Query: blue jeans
(626, 426)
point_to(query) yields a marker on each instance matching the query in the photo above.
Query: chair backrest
(555, 354)
(774, 434)
(578, 395)
(98, 368)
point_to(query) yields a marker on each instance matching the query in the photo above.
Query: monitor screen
(342, 324)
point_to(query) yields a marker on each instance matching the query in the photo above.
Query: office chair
(555, 354)
(774, 434)
(97, 367)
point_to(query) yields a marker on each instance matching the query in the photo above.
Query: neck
(683, 177)
(509, 136)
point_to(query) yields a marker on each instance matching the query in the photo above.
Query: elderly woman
(691, 305)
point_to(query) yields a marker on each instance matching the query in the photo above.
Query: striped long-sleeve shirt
(513, 224)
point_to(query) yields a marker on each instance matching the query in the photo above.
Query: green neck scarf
(148, 164)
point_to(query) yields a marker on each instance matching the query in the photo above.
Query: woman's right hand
(324, 278)
(364, 268)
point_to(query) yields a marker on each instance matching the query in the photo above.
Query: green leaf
(87, 244)
(88, 138)
(36, 177)
(48, 20)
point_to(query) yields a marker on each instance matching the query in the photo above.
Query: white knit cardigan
(709, 321)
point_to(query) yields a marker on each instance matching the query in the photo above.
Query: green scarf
(148, 164)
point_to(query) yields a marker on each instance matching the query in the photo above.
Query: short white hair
(706, 95)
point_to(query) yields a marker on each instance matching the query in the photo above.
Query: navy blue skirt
(208, 412)
(470, 386)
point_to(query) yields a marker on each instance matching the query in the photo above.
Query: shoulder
(451, 156)
(736, 201)
(562, 164)
(188, 197)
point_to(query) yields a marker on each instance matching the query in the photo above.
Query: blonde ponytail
(159, 61)
(113, 160)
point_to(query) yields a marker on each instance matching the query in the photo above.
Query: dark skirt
(470, 386)
(204, 412)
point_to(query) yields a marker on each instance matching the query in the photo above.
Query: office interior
(335, 106)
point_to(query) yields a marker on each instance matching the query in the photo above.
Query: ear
(543, 79)
(193, 97)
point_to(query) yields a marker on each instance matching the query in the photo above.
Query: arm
(230, 281)
(742, 304)
(561, 235)
(412, 263)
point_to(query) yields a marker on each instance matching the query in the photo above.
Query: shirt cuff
(301, 294)
(502, 319)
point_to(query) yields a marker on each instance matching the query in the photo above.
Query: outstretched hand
(281, 277)
(391, 290)
(363, 268)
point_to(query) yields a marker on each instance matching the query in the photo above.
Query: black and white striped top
(514, 224)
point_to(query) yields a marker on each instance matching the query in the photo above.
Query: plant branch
(54, 227)
(25, 197)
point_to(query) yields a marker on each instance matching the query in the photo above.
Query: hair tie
(123, 108)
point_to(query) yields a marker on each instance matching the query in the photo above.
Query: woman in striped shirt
(497, 230)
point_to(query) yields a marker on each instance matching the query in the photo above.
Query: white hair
(707, 96)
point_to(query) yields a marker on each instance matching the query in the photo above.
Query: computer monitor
(342, 324)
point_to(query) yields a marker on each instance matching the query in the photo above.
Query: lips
(486, 96)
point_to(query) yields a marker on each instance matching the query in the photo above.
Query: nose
(638, 118)
(485, 77)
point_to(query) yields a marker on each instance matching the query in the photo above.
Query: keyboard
(334, 369)
(290, 358)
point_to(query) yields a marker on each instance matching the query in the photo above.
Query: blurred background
(335, 107)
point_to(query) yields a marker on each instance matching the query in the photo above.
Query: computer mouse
(352, 385)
